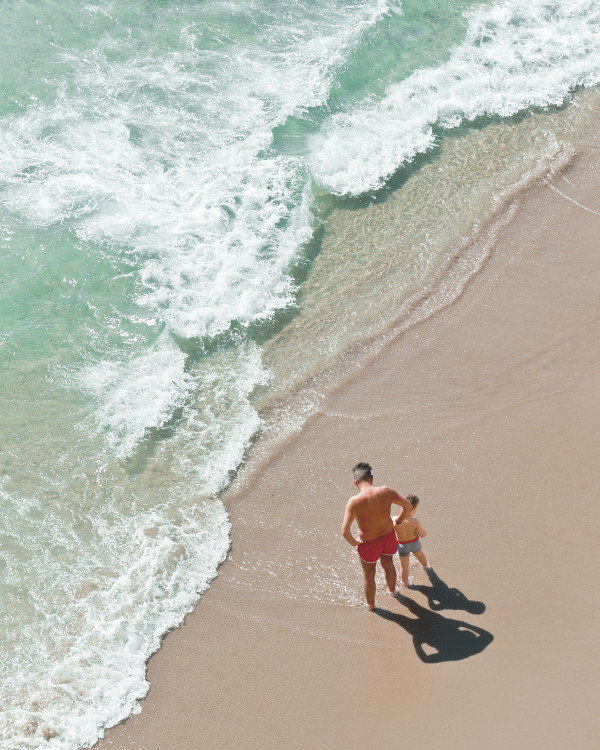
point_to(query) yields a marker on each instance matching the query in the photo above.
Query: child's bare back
(408, 528)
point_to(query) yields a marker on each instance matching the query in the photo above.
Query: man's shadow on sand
(441, 596)
(437, 638)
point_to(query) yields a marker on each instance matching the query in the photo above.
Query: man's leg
(387, 563)
(369, 576)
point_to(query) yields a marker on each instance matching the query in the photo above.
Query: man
(372, 510)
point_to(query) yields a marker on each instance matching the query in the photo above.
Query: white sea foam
(119, 567)
(164, 160)
(515, 56)
(81, 655)
(143, 391)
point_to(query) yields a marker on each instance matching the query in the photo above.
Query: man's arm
(349, 516)
(397, 499)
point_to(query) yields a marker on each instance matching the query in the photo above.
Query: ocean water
(203, 206)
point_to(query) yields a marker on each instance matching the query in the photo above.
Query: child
(408, 530)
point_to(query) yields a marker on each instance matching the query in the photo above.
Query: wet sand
(489, 411)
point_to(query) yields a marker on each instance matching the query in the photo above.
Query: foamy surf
(79, 661)
(121, 562)
(514, 57)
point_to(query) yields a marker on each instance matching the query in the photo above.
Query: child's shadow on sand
(441, 596)
(437, 638)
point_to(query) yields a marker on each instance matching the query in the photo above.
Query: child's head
(413, 500)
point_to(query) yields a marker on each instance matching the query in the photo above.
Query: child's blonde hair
(413, 500)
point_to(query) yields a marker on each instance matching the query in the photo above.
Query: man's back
(372, 509)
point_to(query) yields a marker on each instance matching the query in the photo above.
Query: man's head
(362, 472)
(413, 500)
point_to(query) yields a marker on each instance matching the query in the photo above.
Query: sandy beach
(488, 411)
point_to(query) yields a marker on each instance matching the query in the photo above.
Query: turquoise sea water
(203, 204)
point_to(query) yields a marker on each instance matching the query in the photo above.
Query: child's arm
(419, 529)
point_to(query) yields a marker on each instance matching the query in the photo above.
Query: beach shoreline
(488, 411)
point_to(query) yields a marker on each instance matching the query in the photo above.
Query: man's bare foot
(370, 607)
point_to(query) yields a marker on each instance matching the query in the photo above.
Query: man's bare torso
(373, 506)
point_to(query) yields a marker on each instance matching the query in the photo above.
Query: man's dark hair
(413, 500)
(362, 471)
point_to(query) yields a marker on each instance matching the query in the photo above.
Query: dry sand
(490, 412)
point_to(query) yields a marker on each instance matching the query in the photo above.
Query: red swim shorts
(383, 545)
